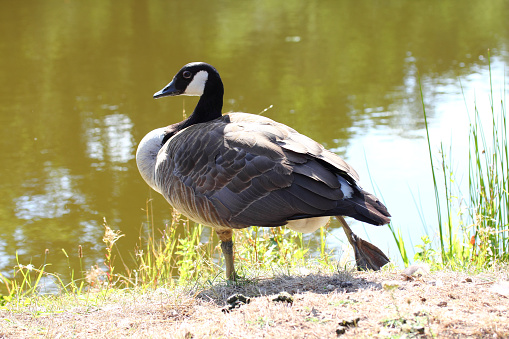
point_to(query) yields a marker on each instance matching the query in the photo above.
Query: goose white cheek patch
(197, 85)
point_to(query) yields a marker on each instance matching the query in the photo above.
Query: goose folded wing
(301, 144)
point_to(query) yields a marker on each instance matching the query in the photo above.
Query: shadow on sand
(341, 282)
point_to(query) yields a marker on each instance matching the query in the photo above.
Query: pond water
(78, 78)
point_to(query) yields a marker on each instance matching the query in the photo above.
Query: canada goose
(238, 170)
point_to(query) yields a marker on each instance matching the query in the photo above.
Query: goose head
(194, 79)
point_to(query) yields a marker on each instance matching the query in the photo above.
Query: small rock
(346, 324)
(238, 298)
(415, 270)
(227, 309)
(231, 307)
(330, 287)
(235, 301)
(351, 322)
(340, 330)
(284, 297)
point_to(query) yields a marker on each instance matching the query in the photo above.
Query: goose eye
(186, 74)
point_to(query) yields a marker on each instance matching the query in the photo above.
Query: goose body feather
(244, 170)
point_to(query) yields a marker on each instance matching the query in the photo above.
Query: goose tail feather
(364, 207)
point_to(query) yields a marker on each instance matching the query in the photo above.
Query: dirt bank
(321, 305)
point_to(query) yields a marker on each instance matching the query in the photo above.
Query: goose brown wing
(254, 171)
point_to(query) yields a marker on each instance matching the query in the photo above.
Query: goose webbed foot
(367, 255)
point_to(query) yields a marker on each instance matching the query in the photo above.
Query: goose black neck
(209, 107)
(211, 102)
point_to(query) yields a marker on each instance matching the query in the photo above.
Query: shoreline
(325, 304)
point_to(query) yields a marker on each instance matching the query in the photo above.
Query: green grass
(181, 255)
(489, 184)
(179, 258)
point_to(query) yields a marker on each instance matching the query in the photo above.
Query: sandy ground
(317, 305)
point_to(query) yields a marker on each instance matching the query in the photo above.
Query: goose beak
(169, 90)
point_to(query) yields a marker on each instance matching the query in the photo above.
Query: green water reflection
(78, 76)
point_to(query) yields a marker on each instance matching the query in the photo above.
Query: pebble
(284, 297)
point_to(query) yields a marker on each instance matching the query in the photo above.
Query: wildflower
(472, 240)
(110, 236)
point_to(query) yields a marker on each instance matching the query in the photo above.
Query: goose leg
(367, 255)
(227, 247)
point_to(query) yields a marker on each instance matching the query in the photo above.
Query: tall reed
(489, 183)
(487, 227)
